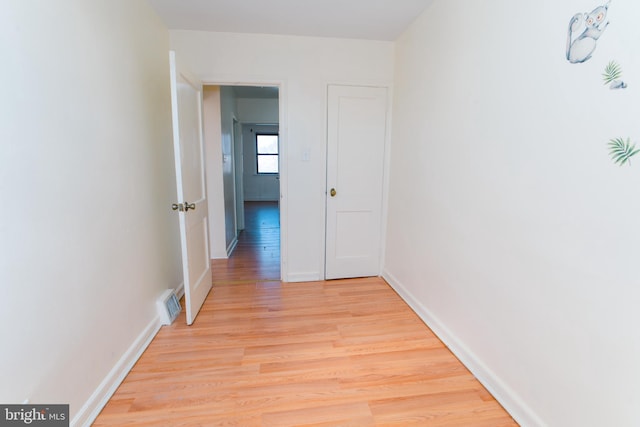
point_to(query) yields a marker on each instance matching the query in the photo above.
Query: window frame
(276, 155)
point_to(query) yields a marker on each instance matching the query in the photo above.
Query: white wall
(228, 105)
(87, 237)
(510, 229)
(303, 67)
(258, 110)
(219, 112)
(212, 124)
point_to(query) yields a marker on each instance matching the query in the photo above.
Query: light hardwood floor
(266, 353)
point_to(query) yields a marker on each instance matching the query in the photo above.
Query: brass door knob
(183, 207)
(333, 192)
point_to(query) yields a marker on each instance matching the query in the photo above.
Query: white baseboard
(512, 403)
(232, 246)
(91, 409)
(303, 277)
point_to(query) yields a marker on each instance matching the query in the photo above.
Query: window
(267, 153)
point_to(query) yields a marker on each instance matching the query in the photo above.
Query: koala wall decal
(584, 31)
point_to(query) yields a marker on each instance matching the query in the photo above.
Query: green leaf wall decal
(621, 151)
(612, 72)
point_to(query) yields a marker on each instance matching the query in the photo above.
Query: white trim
(324, 164)
(512, 403)
(100, 397)
(305, 277)
(386, 170)
(232, 246)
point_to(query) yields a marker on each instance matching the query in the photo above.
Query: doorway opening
(249, 144)
(259, 240)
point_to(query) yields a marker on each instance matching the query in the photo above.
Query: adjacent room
(241, 138)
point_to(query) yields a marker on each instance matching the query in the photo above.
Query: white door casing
(356, 137)
(186, 107)
(238, 172)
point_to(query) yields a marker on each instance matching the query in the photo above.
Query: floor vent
(168, 307)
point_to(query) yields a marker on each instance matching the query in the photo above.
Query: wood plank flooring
(257, 255)
(266, 353)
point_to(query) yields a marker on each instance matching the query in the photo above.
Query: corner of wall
(100, 397)
(232, 246)
(511, 402)
(180, 290)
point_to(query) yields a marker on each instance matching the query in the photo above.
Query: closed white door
(356, 131)
(186, 103)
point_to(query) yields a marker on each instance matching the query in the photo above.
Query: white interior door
(356, 131)
(186, 105)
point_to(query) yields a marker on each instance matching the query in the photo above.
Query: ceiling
(353, 19)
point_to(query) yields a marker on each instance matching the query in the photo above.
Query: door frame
(283, 141)
(238, 172)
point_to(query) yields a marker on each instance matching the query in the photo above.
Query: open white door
(186, 107)
(356, 131)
